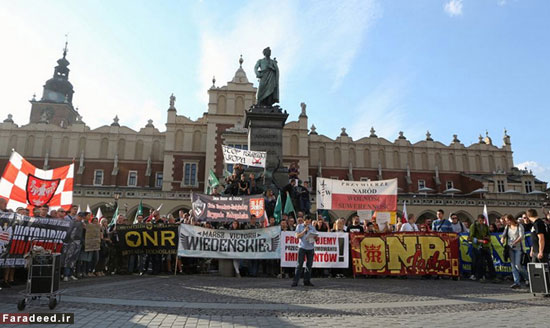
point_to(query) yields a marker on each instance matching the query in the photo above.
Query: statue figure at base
(267, 72)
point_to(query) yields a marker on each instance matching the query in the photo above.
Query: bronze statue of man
(267, 71)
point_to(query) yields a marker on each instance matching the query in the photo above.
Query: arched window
(322, 156)
(479, 166)
(64, 150)
(12, 144)
(366, 158)
(81, 145)
(438, 161)
(337, 157)
(104, 148)
(396, 160)
(352, 158)
(492, 165)
(121, 147)
(452, 162)
(139, 149)
(29, 146)
(197, 139)
(222, 104)
(465, 163)
(410, 159)
(294, 145)
(424, 161)
(47, 146)
(382, 158)
(178, 143)
(155, 152)
(239, 105)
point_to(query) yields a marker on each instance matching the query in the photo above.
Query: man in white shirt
(410, 226)
(457, 225)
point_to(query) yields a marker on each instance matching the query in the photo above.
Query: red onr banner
(405, 253)
(378, 195)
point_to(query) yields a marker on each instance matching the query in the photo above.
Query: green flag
(278, 213)
(213, 181)
(115, 216)
(289, 207)
(139, 211)
(226, 173)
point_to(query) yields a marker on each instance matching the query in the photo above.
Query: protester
(236, 263)
(304, 202)
(540, 238)
(513, 237)
(457, 225)
(72, 246)
(355, 225)
(442, 224)
(410, 226)
(320, 224)
(307, 236)
(339, 225)
(481, 251)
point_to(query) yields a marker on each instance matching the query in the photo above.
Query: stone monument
(265, 121)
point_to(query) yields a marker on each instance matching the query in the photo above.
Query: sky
(462, 67)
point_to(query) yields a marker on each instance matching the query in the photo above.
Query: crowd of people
(78, 263)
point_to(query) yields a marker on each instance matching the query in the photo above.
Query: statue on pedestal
(267, 72)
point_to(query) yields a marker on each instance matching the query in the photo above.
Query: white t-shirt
(459, 227)
(409, 227)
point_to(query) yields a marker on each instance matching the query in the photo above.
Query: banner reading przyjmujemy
(331, 250)
(405, 253)
(233, 155)
(502, 267)
(226, 209)
(18, 233)
(378, 195)
(229, 244)
(147, 238)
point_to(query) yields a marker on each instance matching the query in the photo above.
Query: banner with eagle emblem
(24, 185)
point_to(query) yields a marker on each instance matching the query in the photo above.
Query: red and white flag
(486, 214)
(378, 195)
(24, 185)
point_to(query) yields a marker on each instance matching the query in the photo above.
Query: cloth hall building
(164, 166)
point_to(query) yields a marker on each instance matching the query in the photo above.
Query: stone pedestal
(265, 132)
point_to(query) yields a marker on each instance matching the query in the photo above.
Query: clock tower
(56, 104)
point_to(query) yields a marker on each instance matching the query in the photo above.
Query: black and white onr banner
(230, 244)
(331, 250)
(246, 157)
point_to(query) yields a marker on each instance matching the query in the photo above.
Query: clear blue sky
(448, 66)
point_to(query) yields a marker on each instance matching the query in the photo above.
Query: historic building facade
(166, 167)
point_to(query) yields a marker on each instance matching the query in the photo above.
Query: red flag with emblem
(24, 185)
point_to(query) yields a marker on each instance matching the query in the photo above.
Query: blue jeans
(517, 268)
(302, 254)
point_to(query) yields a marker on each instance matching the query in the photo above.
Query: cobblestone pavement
(212, 301)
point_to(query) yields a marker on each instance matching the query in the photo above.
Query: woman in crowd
(513, 236)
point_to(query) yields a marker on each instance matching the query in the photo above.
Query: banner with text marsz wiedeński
(378, 195)
(229, 244)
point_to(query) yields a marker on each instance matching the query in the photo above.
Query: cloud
(540, 171)
(453, 8)
(384, 109)
(323, 37)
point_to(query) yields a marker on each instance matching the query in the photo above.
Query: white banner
(246, 157)
(263, 243)
(344, 195)
(331, 250)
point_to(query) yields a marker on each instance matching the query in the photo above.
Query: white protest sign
(246, 157)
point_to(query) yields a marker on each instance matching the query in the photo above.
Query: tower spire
(65, 50)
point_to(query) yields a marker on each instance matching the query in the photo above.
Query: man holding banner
(307, 235)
